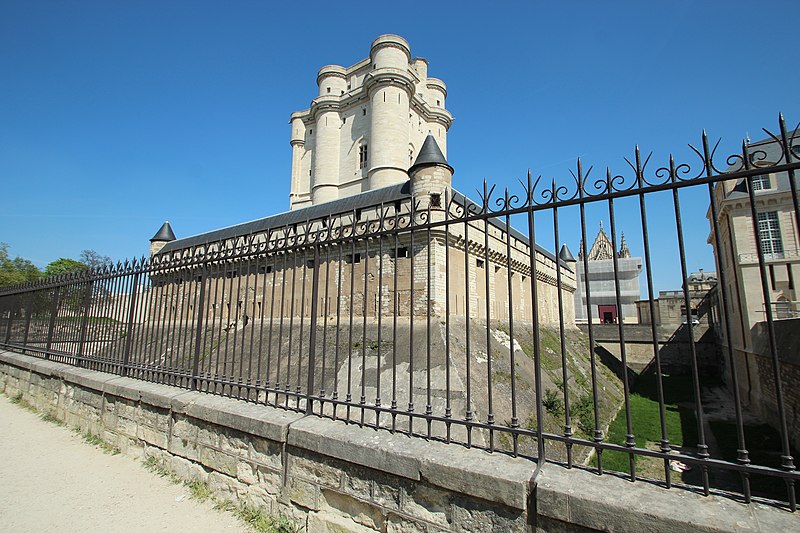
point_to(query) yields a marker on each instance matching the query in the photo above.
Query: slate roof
(766, 150)
(390, 194)
(429, 154)
(164, 233)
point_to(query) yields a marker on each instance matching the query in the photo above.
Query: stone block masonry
(329, 476)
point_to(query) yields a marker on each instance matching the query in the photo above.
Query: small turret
(161, 238)
(431, 175)
(565, 255)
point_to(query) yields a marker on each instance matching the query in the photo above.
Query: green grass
(646, 420)
(501, 376)
(253, 516)
(49, 417)
(199, 490)
(17, 400)
(95, 440)
(257, 519)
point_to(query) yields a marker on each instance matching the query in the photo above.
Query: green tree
(63, 266)
(17, 270)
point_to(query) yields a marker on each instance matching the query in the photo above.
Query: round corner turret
(390, 51)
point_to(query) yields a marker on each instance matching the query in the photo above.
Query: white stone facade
(366, 126)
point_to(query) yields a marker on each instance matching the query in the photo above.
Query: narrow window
(351, 258)
(364, 112)
(329, 89)
(479, 263)
(310, 263)
(790, 276)
(770, 234)
(439, 103)
(402, 252)
(772, 276)
(436, 199)
(358, 214)
(311, 132)
(362, 156)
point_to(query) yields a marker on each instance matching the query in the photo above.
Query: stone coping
(611, 503)
(572, 497)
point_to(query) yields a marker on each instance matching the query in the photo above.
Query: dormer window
(761, 183)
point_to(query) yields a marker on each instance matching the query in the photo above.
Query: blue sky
(117, 115)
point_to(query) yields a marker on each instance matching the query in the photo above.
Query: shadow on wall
(613, 363)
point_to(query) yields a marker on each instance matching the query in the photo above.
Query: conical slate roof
(165, 234)
(429, 154)
(565, 255)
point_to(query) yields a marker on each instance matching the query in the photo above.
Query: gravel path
(51, 480)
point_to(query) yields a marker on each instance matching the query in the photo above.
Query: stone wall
(756, 375)
(675, 348)
(329, 476)
(325, 475)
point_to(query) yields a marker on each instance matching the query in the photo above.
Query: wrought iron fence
(440, 318)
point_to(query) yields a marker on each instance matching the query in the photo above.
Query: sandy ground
(51, 480)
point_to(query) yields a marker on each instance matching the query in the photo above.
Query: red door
(607, 314)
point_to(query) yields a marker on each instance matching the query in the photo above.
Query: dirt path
(50, 480)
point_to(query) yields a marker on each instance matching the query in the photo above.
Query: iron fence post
(29, 315)
(52, 325)
(12, 310)
(129, 327)
(87, 303)
(312, 338)
(199, 332)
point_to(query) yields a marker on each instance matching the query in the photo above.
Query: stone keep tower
(367, 126)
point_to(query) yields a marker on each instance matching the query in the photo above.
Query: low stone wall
(329, 476)
(325, 475)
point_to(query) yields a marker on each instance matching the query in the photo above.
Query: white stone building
(736, 254)
(603, 282)
(367, 125)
